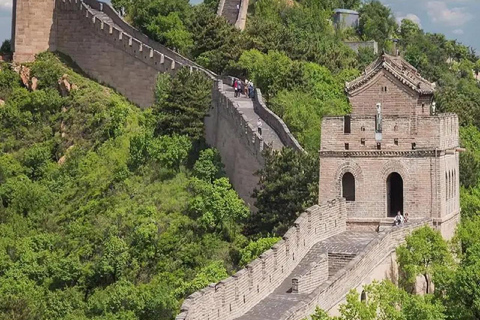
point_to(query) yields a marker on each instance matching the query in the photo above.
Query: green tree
(376, 22)
(209, 166)
(288, 185)
(385, 301)
(424, 253)
(6, 47)
(217, 206)
(181, 111)
(255, 248)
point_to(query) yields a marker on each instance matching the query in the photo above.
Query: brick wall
(234, 296)
(351, 276)
(398, 133)
(337, 261)
(314, 276)
(396, 100)
(34, 29)
(239, 144)
(275, 122)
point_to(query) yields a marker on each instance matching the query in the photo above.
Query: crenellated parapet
(334, 290)
(232, 297)
(107, 24)
(244, 130)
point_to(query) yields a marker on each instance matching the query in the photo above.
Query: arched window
(348, 186)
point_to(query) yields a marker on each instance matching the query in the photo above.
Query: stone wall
(398, 133)
(275, 122)
(313, 277)
(356, 45)
(33, 28)
(334, 290)
(242, 15)
(234, 296)
(421, 149)
(239, 144)
(396, 100)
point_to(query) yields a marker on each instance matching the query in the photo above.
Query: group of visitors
(243, 87)
(400, 219)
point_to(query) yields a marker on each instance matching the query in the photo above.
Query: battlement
(244, 130)
(232, 297)
(399, 133)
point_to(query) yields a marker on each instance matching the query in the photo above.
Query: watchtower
(393, 153)
(33, 28)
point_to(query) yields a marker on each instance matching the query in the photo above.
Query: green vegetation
(106, 212)
(385, 301)
(111, 212)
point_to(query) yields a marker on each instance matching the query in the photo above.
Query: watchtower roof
(400, 69)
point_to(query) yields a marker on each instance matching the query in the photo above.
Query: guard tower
(33, 28)
(393, 152)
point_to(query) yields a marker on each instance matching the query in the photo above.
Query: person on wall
(398, 219)
(236, 87)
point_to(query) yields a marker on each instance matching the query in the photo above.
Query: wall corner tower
(33, 28)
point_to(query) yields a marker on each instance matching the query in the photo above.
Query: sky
(457, 19)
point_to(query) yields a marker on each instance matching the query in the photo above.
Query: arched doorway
(394, 194)
(348, 186)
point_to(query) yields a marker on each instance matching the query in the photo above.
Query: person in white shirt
(398, 219)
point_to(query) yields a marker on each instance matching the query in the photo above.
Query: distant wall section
(239, 144)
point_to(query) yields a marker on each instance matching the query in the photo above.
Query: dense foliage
(111, 212)
(101, 214)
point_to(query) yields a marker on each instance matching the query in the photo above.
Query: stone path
(277, 304)
(245, 105)
(230, 11)
(105, 18)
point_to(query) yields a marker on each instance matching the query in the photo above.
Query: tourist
(405, 218)
(251, 91)
(245, 88)
(259, 126)
(235, 87)
(398, 219)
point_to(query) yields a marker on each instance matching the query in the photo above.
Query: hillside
(106, 211)
(113, 212)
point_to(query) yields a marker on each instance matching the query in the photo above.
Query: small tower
(33, 28)
(393, 153)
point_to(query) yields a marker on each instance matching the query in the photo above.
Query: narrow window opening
(346, 124)
(362, 141)
(347, 146)
(414, 145)
(348, 186)
(362, 128)
(395, 141)
(379, 146)
(423, 108)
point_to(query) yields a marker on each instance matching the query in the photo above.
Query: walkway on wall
(245, 105)
(276, 305)
(230, 11)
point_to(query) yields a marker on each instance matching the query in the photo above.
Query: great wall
(368, 171)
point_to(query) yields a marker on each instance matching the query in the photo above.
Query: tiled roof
(399, 68)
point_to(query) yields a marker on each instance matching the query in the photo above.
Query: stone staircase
(230, 11)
